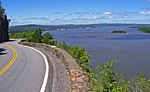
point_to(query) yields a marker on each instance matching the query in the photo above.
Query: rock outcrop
(3, 25)
(4, 29)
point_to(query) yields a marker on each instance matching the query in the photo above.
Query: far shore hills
(23, 28)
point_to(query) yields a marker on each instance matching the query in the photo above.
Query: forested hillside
(22, 28)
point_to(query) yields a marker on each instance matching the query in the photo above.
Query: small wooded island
(118, 31)
(145, 29)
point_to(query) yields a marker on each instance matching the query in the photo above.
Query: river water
(131, 50)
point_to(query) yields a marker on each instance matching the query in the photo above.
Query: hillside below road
(21, 69)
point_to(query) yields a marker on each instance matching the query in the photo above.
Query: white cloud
(107, 18)
(110, 17)
(95, 13)
(94, 17)
(30, 20)
(126, 16)
(85, 13)
(83, 17)
(144, 12)
(107, 12)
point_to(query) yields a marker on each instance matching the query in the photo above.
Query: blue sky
(55, 12)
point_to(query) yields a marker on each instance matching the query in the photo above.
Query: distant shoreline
(23, 28)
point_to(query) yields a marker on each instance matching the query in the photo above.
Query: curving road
(21, 69)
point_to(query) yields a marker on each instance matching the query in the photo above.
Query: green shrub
(81, 56)
(104, 79)
(2, 10)
(34, 36)
(63, 45)
(47, 38)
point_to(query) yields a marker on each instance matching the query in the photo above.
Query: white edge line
(47, 69)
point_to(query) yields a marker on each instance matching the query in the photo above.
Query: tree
(47, 38)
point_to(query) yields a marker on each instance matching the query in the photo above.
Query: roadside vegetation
(102, 78)
(80, 54)
(34, 36)
(145, 29)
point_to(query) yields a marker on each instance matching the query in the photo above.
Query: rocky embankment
(67, 75)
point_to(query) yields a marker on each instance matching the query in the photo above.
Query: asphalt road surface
(21, 69)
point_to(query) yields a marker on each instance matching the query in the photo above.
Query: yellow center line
(5, 68)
